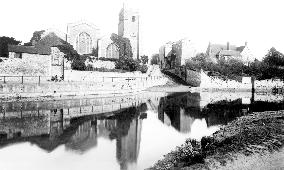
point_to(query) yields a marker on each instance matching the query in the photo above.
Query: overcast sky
(259, 22)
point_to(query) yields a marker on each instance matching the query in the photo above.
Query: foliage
(95, 52)
(35, 38)
(144, 59)
(108, 59)
(274, 58)
(4, 41)
(126, 63)
(125, 49)
(269, 68)
(143, 68)
(68, 50)
(79, 63)
(171, 60)
(154, 59)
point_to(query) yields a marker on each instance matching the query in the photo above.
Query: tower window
(133, 18)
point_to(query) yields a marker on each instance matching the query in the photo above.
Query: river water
(123, 132)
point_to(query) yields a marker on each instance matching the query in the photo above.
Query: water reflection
(80, 124)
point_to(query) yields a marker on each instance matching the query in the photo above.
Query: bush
(79, 64)
(108, 59)
(143, 68)
(126, 63)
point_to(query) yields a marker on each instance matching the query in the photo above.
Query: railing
(23, 79)
(44, 79)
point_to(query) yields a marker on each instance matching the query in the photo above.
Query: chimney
(228, 46)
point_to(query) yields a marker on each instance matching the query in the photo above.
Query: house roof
(42, 47)
(22, 49)
(220, 49)
(229, 53)
(241, 48)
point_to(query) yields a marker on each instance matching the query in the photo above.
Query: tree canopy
(274, 58)
(4, 41)
(35, 38)
(125, 49)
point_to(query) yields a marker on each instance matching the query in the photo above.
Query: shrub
(126, 63)
(79, 64)
(143, 68)
(108, 59)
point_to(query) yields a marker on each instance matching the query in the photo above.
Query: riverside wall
(248, 84)
(80, 88)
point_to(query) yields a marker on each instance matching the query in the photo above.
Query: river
(123, 132)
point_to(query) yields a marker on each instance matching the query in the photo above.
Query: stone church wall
(75, 29)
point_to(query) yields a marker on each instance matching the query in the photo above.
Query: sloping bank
(250, 141)
(78, 83)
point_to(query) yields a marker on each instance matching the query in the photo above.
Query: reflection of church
(85, 37)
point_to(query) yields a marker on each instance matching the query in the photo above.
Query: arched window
(112, 51)
(84, 43)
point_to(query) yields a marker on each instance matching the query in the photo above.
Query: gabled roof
(241, 48)
(22, 49)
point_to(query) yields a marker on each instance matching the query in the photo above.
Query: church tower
(128, 27)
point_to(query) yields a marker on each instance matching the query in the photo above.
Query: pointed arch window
(84, 43)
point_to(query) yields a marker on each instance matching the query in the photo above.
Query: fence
(45, 79)
(24, 79)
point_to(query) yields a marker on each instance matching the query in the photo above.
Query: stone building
(128, 27)
(108, 48)
(226, 52)
(82, 36)
(174, 54)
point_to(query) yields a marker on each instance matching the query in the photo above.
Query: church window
(112, 51)
(84, 43)
(133, 18)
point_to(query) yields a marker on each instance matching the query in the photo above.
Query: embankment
(79, 83)
(254, 136)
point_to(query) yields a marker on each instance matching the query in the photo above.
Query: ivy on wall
(125, 49)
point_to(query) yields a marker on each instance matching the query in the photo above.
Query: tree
(144, 59)
(125, 49)
(4, 42)
(155, 59)
(274, 58)
(126, 63)
(68, 50)
(77, 61)
(35, 38)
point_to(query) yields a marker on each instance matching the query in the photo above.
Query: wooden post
(4, 79)
(22, 79)
(38, 79)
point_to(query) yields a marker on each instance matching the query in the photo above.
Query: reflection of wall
(175, 110)
(128, 146)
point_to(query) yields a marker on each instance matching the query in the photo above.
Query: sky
(258, 22)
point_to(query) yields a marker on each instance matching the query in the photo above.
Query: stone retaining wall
(57, 89)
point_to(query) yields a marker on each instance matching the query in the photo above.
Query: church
(85, 38)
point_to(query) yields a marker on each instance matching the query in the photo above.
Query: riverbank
(250, 140)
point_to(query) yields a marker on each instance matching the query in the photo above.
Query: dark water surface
(127, 132)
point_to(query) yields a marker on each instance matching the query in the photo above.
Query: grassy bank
(257, 133)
